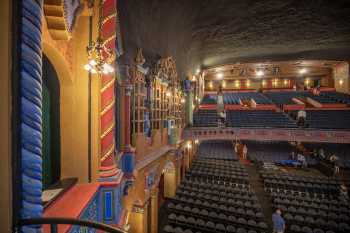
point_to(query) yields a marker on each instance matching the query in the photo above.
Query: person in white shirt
(301, 117)
(302, 160)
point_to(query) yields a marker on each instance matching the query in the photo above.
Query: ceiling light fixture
(220, 75)
(259, 73)
(302, 71)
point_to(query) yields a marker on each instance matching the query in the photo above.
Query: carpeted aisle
(258, 186)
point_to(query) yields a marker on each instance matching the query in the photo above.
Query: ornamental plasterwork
(60, 16)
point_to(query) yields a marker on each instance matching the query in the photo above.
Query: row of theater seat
(337, 96)
(220, 202)
(318, 119)
(309, 203)
(326, 119)
(244, 118)
(236, 97)
(217, 150)
(278, 98)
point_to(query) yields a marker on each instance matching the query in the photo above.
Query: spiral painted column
(108, 168)
(31, 110)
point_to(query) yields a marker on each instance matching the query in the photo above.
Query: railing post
(53, 228)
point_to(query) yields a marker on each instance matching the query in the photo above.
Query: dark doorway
(51, 149)
(161, 191)
(149, 216)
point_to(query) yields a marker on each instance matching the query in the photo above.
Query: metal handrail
(53, 222)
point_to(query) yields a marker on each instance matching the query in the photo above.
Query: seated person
(343, 193)
(335, 161)
(301, 158)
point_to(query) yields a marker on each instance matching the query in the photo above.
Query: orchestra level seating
(215, 196)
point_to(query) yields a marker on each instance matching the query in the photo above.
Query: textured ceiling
(213, 32)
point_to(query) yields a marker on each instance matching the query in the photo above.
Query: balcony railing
(54, 222)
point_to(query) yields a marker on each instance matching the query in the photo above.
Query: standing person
(279, 224)
(236, 147)
(321, 154)
(301, 117)
(302, 160)
(220, 107)
(245, 151)
(293, 155)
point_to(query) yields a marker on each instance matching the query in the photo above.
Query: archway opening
(51, 142)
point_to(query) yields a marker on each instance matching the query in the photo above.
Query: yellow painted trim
(109, 39)
(103, 157)
(108, 107)
(105, 87)
(108, 130)
(109, 17)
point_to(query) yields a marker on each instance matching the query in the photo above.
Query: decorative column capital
(128, 89)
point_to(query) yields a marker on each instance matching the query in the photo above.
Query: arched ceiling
(208, 33)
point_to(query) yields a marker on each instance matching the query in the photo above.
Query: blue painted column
(31, 110)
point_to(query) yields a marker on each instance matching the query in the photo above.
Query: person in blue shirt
(279, 224)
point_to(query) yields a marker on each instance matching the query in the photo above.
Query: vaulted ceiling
(206, 33)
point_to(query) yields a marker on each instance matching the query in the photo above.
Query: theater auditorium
(164, 116)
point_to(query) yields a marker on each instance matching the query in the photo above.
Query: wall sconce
(223, 84)
(341, 82)
(307, 81)
(285, 82)
(248, 83)
(264, 83)
(210, 84)
(237, 84)
(189, 145)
